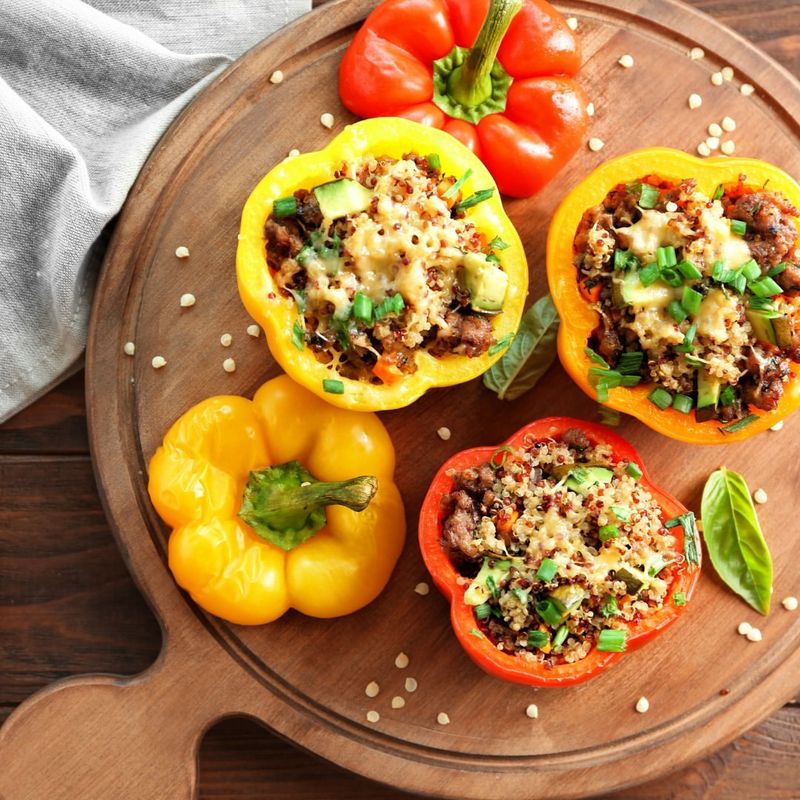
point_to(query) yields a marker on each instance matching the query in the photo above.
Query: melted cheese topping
(718, 312)
(655, 229)
(719, 243)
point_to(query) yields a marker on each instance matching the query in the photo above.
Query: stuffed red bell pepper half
(557, 552)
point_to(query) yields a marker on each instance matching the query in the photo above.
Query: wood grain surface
(69, 607)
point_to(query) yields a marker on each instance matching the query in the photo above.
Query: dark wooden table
(69, 605)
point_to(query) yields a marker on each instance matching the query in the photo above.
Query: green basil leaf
(530, 354)
(734, 540)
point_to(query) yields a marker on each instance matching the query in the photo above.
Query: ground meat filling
(405, 253)
(654, 246)
(551, 556)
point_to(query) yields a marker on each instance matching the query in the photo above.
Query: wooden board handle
(104, 738)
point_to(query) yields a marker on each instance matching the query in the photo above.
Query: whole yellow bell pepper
(277, 313)
(216, 468)
(579, 318)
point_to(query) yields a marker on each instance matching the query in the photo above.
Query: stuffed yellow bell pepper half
(276, 503)
(382, 265)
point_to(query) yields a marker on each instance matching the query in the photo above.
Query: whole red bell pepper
(479, 646)
(496, 74)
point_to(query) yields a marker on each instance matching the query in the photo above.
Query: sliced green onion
(537, 639)
(498, 244)
(484, 610)
(610, 608)
(458, 184)
(718, 271)
(676, 311)
(718, 192)
(363, 308)
(691, 301)
(634, 470)
(550, 612)
(476, 633)
(777, 269)
(693, 361)
(602, 393)
(739, 424)
(621, 512)
(298, 334)
(630, 362)
(682, 403)
(608, 532)
(520, 594)
(305, 255)
(648, 196)
(689, 271)
(750, 270)
(660, 397)
(284, 207)
(671, 277)
(610, 377)
(473, 199)
(624, 259)
(739, 227)
(434, 161)
(501, 344)
(765, 287)
(665, 256)
(649, 274)
(299, 299)
(332, 386)
(397, 303)
(491, 585)
(727, 397)
(679, 598)
(596, 357)
(611, 641)
(631, 380)
(561, 635)
(739, 282)
(761, 303)
(547, 570)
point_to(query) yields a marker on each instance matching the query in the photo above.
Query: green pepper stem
(471, 84)
(355, 494)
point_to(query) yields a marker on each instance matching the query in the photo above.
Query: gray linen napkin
(86, 90)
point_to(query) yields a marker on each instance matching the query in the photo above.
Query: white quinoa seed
(713, 142)
(703, 149)
(398, 702)
(744, 628)
(158, 362)
(373, 716)
(187, 300)
(229, 365)
(532, 711)
(717, 79)
(696, 53)
(254, 331)
(422, 588)
(729, 148)
(671, 207)
(595, 144)
(411, 685)
(443, 433)
(642, 705)
(714, 129)
(442, 718)
(789, 603)
(372, 689)
(182, 252)
(727, 73)
(226, 340)
(695, 101)
(572, 23)
(626, 61)
(760, 496)
(590, 109)
(129, 348)
(276, 77)
(294, 152)
(728, 124)
(326, 120)
(777, 426)
(401, 662)
(754, 635)
(746, 89)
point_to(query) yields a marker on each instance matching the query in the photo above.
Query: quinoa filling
(400, 271)
(698, 296)
(560, 546)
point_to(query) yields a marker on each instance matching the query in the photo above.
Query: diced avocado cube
(568, 597)
(708, 389)
(485, 281)
(633, 578)
(582, 479)
(630, 291)
(785, 335)
(342, 198)
(763, 324)
(479, 590)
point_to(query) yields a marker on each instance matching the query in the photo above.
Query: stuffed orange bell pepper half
(557, 552)
(677, 281)
(270, 507)
(382, 266)
(496, 75)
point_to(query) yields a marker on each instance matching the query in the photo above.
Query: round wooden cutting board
(304, 678)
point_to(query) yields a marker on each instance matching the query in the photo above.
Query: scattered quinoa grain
(182, 252)
(398, 702)
(411, 684)
(703, 149)
(326, 120)
(728, 124)
(789, 603)
(229, 365)
(590, 109)
(158, 362)
(727, 73)
(595, 144)
(729, 148)
(625, 61)
(372, 689)
(401, 662)
(187, 300)
(760, 496)
(671, 207)
(129, 348)
(696, 53)
(744, 628)
(226, 340)
(254, 331)
(777, 426)
(572, 23)
(442, 718)
(714, 129)
(422, 588)
(717, 79)
(532, 711)
(443, 433)
(695, 101)
(294, 152)
(754, 635)
(276, 77)
(746, 89)
(373, 716)
(713, 142)
(642, 705)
